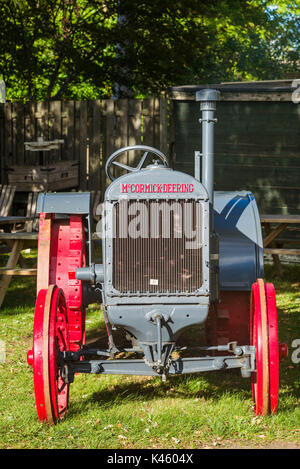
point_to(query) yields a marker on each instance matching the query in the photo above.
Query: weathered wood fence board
(91, 131)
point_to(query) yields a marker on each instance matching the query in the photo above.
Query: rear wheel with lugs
(61, 250)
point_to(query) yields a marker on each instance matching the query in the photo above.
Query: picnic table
(275, 225)
(16, 242)
(14, 220)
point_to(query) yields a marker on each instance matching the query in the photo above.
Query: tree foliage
(87, 49)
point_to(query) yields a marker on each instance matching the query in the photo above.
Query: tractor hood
(156, 182)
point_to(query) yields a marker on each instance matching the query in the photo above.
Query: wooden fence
(91, 131)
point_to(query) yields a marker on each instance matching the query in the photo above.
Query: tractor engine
(156, 257)
(155, 277)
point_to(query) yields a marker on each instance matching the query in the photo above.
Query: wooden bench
(16, 241)
(274, 226)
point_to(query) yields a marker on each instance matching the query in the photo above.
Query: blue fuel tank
(237, 223)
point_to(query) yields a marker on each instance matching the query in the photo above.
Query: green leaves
(88, 49)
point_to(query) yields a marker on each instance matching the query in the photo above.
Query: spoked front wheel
(50, 336)
(264, 337)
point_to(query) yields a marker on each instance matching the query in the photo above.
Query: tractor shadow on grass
(193, 386)
(202, 386)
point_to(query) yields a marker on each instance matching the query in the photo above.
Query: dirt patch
(256, 445)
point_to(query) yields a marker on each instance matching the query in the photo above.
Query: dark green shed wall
(257, 148)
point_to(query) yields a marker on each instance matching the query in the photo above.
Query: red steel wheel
(264, 336)
(50, 336)
(259, 338)
(273, 347)
(61, 250)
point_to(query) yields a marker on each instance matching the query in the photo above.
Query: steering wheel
(145, 148)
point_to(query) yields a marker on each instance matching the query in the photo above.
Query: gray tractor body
(170, 244)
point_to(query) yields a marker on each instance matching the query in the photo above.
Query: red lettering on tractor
(154, 188)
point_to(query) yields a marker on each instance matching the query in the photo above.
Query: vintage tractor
(176, 255)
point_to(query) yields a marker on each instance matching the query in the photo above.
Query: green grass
(194, 411)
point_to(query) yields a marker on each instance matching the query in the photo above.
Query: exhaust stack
(208, 98)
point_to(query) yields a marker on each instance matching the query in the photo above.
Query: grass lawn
(209, 410)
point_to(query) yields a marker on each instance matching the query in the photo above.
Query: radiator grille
(157, 246)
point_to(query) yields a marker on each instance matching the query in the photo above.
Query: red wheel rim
(38, 355)
(259, 338)
(50, 336)
(273, 347)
